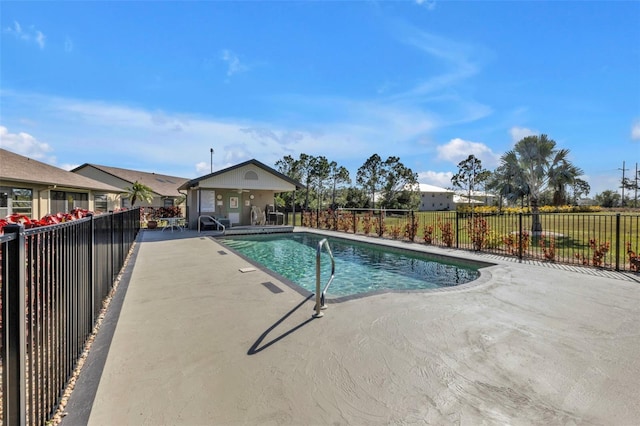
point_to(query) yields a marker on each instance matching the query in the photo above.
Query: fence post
(520, 236)
(13, 322)
(355, 222)
(92, 270)
(618, 242)
(411, 229)
(457, 229)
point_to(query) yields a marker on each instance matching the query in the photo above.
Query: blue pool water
(360, 267)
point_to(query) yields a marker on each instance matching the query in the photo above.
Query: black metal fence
(602, 240)
(54, 280)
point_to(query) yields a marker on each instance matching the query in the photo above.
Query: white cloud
(457, 150)
(354, 131)
(40, 39)
(25, 144)
(442, 179)
(30, 35)
(519, 133)
(460, 61)
(429, 4)
(203, 168)
(68, 166)
(234, 66)
(635, 131)
(68, 45)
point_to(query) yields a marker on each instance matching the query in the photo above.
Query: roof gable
(251, 174)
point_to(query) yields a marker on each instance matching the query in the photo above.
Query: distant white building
(477, 198)
(436, 198)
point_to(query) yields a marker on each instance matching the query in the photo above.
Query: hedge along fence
(54, 279)
(602, 240)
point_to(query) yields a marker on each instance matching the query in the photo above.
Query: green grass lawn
(595, 239)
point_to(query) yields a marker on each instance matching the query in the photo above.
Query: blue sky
(155, 85)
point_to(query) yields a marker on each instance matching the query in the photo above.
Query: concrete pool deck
(191, 340)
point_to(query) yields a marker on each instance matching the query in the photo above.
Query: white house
(435, 198)
(234, 193)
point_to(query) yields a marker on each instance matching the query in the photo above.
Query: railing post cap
(12, 228)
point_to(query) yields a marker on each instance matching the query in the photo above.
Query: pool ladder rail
(320, 305)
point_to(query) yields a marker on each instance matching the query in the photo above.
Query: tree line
(535, 172)
(386, 184)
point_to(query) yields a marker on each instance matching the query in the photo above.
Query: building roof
(465, 193)
(254, 162)
(425, 187)
(17, 168)
(163, 185)
(463, 199)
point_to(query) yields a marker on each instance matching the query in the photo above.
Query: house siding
(236, 179)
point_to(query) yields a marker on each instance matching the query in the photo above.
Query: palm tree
(138, 191)
(538, 165)
(507, 180)
(565, 174)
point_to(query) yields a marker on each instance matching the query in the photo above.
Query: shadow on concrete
(255, 348)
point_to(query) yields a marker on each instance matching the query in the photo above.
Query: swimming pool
(360, 267)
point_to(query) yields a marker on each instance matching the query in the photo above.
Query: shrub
(599, 253)
(494, 240)
(50, 219)
(367, 223)
(550, 252)
(395, 231)
(515, 244)
(428, 234)
(411, 228)
(446, 230)
(478, 229)
(634, 259)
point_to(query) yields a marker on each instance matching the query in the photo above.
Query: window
(4, 203)
(64, 202)
(22, 201)
(168, 202)
(250, 175)
(100, 203)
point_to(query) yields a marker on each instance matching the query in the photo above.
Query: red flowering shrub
(50, 219)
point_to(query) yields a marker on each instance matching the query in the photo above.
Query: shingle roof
(194, 182)
(18, 168)
(164, 185)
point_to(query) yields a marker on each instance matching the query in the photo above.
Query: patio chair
(208, 224)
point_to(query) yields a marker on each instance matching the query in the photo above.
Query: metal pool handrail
(320, 295)
(212, 218)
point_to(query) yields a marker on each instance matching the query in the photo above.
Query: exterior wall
(430, 201)
(41, 204)
(100, 176)
(232, 194)
(237, 179)
(225, 203)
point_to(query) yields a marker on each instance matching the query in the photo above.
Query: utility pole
(623, 183)
(212, 161)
